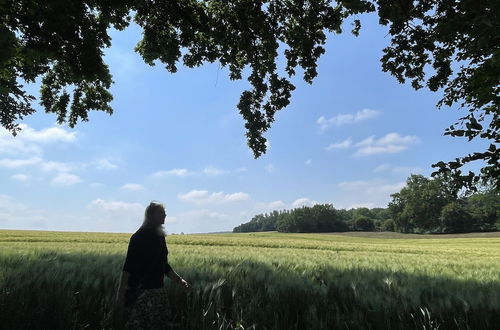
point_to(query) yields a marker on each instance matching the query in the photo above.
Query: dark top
(146, 259)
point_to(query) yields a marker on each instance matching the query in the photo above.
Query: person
(141, 301)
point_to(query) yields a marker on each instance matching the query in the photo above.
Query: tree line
(320, 218)
(424, 205)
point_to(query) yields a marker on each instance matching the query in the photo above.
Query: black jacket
(147, 259)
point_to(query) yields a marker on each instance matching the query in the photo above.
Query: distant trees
(417, 207)
(316, 219)
(260, 222)
(319, 218)
(434, 206)
(424, 205)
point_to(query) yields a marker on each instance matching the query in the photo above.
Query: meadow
(63, 280)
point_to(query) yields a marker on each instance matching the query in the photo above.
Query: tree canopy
(427, 205)
(447, 44)
(452, 45)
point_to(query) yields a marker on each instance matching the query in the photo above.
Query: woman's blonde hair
(148, 214)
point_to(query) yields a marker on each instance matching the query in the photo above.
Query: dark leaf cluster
(63, 41)
(453, 46)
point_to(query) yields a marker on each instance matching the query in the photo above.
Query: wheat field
(67, 280)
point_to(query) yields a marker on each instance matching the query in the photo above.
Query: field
(61, 280)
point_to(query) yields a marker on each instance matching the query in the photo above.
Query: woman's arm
(176, 278)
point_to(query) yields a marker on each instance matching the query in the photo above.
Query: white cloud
(17, 163)
(276, 205)
(20, 177)
(28, 140)
(359, 205)
(205, 197)
(241, 169)
(382, 168)
(270, 168)
(15, 215)
(132, 187)
(375, 186)
(114, 206)
(407, 170)
(213, 171)
(118, 215)
(308, 162)
(377, 150)
(55, 166)
(180, 172)
(340, 145)
(303, 202)
(397, 169)
(66, 179)
(104, 164)
(201, 221)
(46, 135)
(366, 193)
(388, 144)
(342, 119)
(46, 166)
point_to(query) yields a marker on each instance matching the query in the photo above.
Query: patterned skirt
(150, 311)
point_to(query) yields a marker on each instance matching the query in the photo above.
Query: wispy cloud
(276, 205)
(51, 166)
(213, 171)
(104, 164)
(397, 169)
(17, 163)
(205, 197)
(371, 186)
(207, 171)
(367, 193)
(388, 144)
(179, 172)
(347, 143)
(304, 201)
(349, 118)
(20, 177)
(132, 187)
(66, 179)
(113, 206)
(29, 140)
(382, 168)
(270, 168)
(46, 135)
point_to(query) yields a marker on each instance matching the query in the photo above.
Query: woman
(141, 294)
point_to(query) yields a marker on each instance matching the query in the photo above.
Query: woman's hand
(179, 280)
(185, 285)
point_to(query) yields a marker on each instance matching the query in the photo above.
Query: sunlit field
(60, 280)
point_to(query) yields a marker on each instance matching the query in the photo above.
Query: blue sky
(350, 139)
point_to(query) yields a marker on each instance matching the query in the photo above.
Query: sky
(350, 139)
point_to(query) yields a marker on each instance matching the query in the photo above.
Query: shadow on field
(74, 291)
